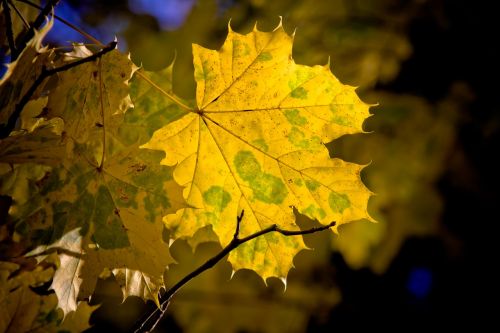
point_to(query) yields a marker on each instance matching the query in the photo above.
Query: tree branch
(11, 123)
(165, 299)
(36, 25)
(8, 27)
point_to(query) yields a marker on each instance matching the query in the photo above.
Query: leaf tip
(280, 25)
(255, 28)
(283, 279)
(328, 62)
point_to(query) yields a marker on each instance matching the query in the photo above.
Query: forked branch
(151, 320)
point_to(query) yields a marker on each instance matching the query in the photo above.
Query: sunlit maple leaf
(255, 142)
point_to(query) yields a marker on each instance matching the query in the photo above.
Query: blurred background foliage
(428, 155)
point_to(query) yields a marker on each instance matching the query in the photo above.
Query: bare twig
(238, 223)
(157, 314)
(8, 27)
(7, 128)
(36, 25)
(19, 14)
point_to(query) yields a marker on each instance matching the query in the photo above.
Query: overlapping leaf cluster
(83, 187)
(78, 182)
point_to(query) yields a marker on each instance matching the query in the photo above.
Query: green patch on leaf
(293, 116)
(300, 93)
(338, 202)
(298, 139)
(265, 56)
(261, 144)
(269, 188)
(240, 49)
(339, 114)
(312, 185)
(314, 212)
(216, 196)
(246, 165)
(266, 187)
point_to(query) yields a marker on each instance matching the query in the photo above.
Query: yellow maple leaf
(256, 143)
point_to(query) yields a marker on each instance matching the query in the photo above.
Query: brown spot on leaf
(122, 195)
(138, 167)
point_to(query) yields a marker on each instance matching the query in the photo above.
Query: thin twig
(165, 299)
(7, 128)
(69, 24)
(8, 27)
(238, 223)
(40, 19)
(19, 14)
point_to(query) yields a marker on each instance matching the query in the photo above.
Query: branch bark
(152, 320)
(11, 123)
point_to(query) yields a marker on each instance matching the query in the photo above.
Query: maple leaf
(255, 142)
(104, 200)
